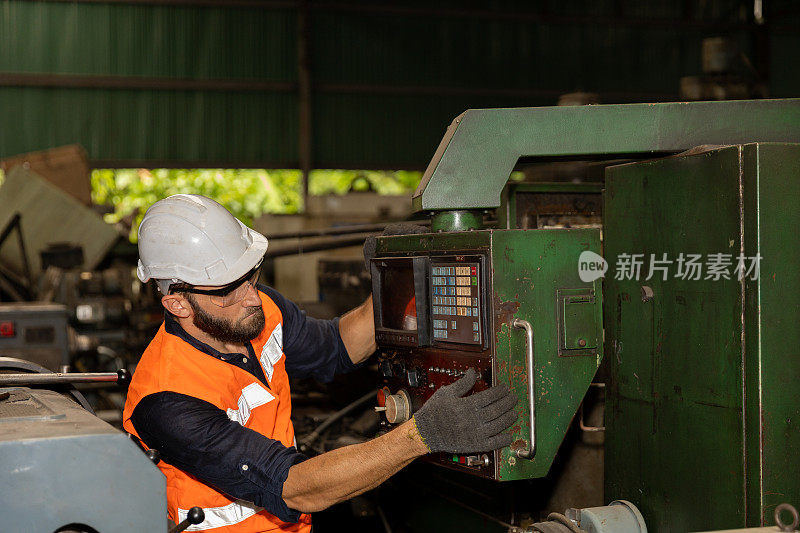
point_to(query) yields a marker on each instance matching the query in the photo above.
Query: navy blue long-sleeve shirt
(200, 439)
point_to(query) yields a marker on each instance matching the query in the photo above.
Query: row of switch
(448, 371)
(455, 300)
(412, 375)
(393, 337)
(445, 291)
(450, 271)
(471, 460)
(457, 311)
(453, 280)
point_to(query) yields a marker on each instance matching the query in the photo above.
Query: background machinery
(679, 394)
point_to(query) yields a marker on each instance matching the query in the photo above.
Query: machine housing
(446, 302)
(704, 370)
(70, 471)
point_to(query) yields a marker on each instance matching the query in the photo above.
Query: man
(211, 391)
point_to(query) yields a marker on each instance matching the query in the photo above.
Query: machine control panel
(449, 302)
(430, 326)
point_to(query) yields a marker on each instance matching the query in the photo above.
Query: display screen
(398, 302)
(455, 302)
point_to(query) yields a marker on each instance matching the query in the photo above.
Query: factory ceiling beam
(438, 90)
(266, 4)
(436, 12)
(91, 81)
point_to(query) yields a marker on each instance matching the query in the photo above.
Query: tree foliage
(247, 193)
(344, 181)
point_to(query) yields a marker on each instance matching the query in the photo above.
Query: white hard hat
(192, 239)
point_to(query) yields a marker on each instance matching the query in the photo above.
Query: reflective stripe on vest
(272, 351)
(227, 515)
(252, 396)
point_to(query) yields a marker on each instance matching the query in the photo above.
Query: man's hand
(452, 422)
(399, 228)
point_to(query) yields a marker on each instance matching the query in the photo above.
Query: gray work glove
(399, 228)
(454, 423)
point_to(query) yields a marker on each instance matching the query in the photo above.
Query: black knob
(194, 516)
(399, 369)
(123, 377)
(153, 455)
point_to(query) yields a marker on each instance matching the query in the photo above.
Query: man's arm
(357, 329)
(449, 421)
(200, 439)
(341, 474)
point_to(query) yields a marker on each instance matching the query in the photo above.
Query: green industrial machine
(482, 146)
(702, 413)
(509, 304)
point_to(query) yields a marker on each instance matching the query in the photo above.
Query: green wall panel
(387, 78)
(127, 40)
(180, 126)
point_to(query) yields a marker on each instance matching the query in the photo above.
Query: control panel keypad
(455, 302)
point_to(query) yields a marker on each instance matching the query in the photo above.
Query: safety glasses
(229, 294)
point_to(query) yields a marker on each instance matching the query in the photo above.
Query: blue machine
(64, 469)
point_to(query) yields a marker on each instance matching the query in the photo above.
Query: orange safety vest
(171, 364)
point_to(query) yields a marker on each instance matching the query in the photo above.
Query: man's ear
(177, 305)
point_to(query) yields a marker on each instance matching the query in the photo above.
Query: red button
(461, 460)
(474, 271)
(382, 393)
(6, 329)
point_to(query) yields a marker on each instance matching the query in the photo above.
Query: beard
(241, 331)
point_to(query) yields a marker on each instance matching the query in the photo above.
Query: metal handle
(524, 324)
(120, 377)
(795, 517)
